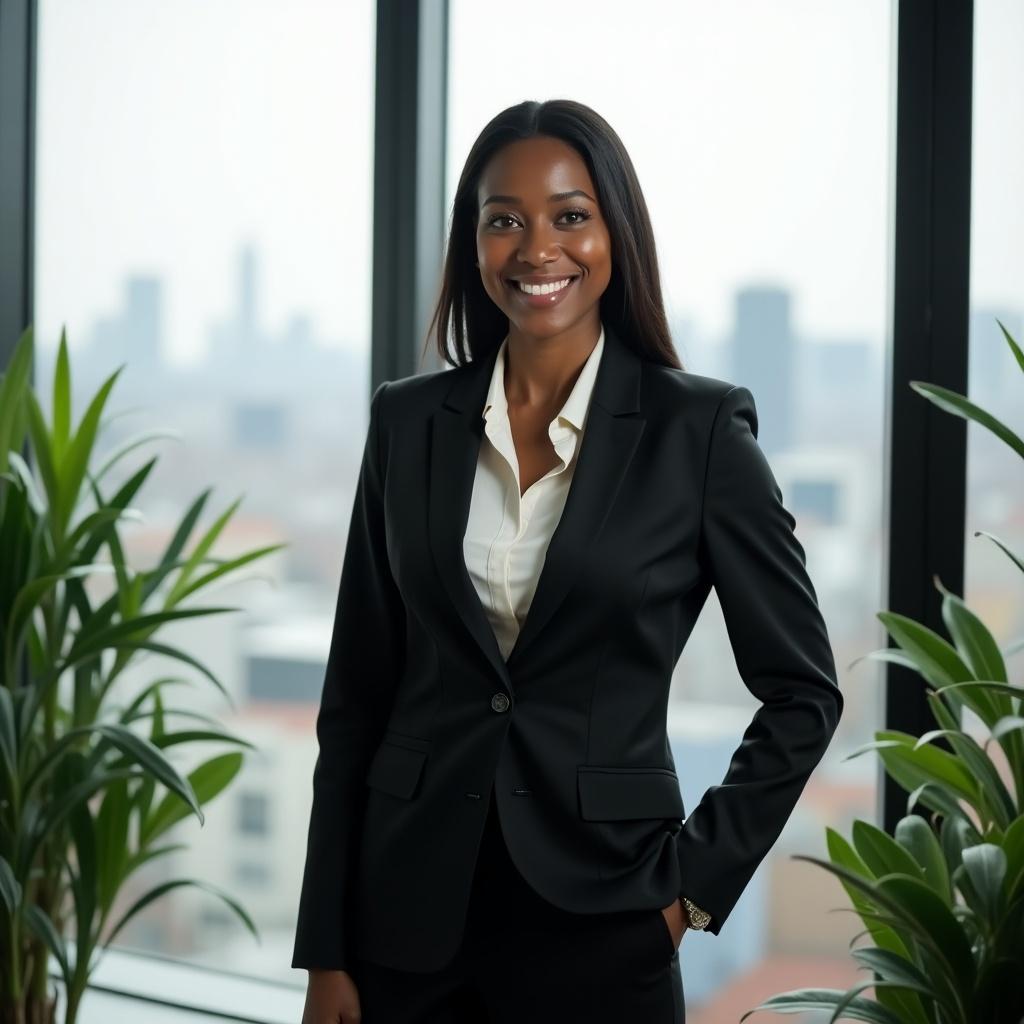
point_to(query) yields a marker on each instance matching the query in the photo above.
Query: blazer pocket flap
(396, 769)
(625, 794)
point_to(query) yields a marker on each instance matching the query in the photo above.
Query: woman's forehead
(539, 167)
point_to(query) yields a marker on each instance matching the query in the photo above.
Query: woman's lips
(546, 301)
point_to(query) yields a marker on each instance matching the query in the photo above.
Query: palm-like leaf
(84, 795)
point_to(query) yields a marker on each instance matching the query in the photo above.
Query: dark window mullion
(408, 181)
(926, 493)
(18, 21)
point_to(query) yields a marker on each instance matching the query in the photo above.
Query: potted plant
(942, 899)
(87, 790)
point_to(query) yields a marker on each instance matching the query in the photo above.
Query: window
(760, 133)
(995, 476)
(204, 175)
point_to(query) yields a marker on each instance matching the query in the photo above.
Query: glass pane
(760, 133)
(204, 205)
(995, 474)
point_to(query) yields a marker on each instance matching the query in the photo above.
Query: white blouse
(507, 536)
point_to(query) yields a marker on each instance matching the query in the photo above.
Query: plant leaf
(1008, 723)
(160, 890)
(1014, 347)
(927, 764)
(207, 781)
(10, 888)
(958, 405)
(916, 836)
(138, 750)
(170, 652)
(881, 852)
(1016, 559)
(947, 940)
(803, 1000)
(73, 463)
(933, 656)
(985, 866)
(43, 928)
(893, 967)
(995, 800)
(112, 842)
(973, 640)
(61, 399)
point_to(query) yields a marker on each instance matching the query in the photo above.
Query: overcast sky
(173, 131)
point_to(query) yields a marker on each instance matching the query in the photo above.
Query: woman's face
(538, 222)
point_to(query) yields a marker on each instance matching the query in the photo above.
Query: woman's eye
(582, 214)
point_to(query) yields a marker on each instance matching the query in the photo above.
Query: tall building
(764, 360)
(133, 334)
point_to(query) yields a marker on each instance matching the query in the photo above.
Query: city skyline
(171, 178)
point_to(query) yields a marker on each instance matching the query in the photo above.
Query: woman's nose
(537, 245)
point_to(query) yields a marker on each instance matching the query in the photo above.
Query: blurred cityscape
(280, 417)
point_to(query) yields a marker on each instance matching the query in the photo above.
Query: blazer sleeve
(782, 652)
(366, 657)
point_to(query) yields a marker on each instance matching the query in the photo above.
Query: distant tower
(141, 322)
(247, 312)
(132, 335)
(234, 342)
(764, 360)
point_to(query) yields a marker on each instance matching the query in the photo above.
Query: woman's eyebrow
(558, 197)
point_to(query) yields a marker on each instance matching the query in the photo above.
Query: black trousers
(524, 959)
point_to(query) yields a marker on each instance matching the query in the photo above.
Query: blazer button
(499, 702)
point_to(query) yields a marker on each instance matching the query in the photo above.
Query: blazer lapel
(455, 436)
(609, 441)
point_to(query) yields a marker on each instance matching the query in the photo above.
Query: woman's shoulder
(686, 392)
(417, 395)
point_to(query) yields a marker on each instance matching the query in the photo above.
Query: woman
(497, 830)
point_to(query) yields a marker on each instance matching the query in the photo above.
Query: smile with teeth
(543, 289)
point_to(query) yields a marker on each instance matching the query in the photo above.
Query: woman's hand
(331, 998)
(675, 918)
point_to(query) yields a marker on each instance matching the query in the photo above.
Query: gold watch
(698, 918)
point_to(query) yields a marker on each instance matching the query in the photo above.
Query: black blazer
(420, 714)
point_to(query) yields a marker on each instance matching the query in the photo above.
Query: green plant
(87, 791)
(943, 898)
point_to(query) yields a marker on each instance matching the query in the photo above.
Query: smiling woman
(534, 536)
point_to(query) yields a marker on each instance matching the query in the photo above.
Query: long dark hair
(632, 303)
